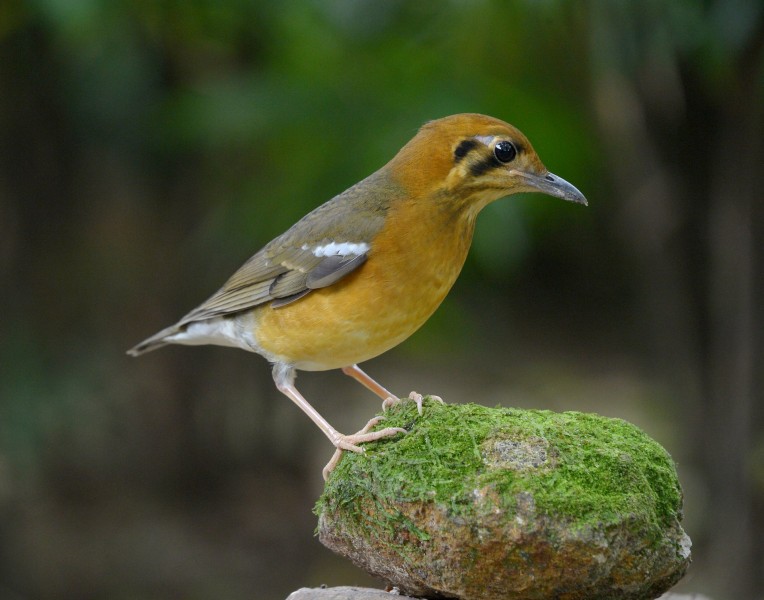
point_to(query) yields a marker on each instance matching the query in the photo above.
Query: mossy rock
(482, 503)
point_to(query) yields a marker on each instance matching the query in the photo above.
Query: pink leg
(284, 376)
(361, 377)
(388, 399)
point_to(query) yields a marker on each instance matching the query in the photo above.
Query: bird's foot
(350, 442)
(413, 396)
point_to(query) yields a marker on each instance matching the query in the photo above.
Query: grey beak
(554, 186)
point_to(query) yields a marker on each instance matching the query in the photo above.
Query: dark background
(148, 148)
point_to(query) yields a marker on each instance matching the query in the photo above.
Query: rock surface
(356, 593)
(482, 503)
(344, 593)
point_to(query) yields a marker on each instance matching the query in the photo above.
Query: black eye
(505, 152)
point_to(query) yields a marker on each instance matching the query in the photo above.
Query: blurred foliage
(148, 148)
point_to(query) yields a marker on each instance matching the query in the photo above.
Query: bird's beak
(552, 185)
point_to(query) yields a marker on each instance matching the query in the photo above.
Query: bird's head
(470, 160)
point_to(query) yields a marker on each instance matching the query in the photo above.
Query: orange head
(470, 160)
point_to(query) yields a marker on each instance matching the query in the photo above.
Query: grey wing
(280, 277)
(319, 250)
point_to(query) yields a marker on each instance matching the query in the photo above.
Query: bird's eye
(505, 151)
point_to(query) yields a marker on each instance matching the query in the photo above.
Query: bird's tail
(154, 342)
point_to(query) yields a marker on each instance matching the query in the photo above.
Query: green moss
(573, 466)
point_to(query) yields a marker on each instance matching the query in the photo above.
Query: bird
(362, 272)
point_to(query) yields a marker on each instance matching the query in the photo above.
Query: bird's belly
(354, 320)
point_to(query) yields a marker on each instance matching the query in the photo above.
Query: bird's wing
(280, 278)
(319, 250)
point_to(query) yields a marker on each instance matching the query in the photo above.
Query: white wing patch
(338, 249)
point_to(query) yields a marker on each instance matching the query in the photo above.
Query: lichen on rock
(479, 503)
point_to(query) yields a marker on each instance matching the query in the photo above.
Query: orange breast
(413, 263)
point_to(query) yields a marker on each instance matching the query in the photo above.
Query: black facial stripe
(463, 149)
(484, 164)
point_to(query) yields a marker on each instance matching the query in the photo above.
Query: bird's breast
(412, 265)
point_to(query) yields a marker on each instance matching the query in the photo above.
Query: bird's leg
(284, 376)
(388, 400)
(361, 377)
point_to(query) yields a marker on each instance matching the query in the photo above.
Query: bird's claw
(415, 397)
(350, 442)
(389, 402)
(436, 398)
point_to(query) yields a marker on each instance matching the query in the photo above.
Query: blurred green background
(148, 148)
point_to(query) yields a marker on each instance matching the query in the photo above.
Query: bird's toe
(351, 442)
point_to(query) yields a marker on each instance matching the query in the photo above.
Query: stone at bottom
(356, 593)
(485, 503)
(344, 593)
